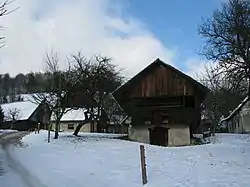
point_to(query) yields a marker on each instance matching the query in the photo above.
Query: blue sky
(132, 32)
(175, 23)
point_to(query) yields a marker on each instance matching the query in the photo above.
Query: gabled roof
(73, 115)
(159, 63)
(24, 109)
(236, 110)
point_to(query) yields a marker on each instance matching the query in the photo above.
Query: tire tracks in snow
(27, 177)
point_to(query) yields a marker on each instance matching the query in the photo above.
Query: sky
(132, 32)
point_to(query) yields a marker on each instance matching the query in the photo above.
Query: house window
(70, 126)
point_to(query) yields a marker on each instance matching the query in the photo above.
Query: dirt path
(11, 137)
(7, 141)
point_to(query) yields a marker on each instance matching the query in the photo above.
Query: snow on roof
(235, 110)
(73, 115)
(30, 97)
(26, 108)
(27, 97)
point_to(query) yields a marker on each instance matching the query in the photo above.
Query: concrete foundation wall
(178, 135)
(139, 134)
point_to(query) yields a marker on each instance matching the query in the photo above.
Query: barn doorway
(158, 135)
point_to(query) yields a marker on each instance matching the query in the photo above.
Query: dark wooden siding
(22, 125)
(41, 114)
(162, 94)
(161, 82)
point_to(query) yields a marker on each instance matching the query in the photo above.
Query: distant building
(163, 103)
(71, 119)
(239, 119)
(25, 115)
(117, 128)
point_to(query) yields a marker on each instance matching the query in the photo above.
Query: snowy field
(94, 160)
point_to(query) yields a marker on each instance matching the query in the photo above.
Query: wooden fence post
(38, 128)
(143, 165)
(49, 127)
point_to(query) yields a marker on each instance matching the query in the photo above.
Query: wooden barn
(163, 103)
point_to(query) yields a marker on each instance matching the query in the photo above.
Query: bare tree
(13, 115)
(97, 77)
(228, 40)
(4, 11)
(59, 87)
(224, 95)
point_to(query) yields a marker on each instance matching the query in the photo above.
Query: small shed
(163, 103)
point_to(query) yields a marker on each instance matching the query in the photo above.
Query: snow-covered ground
(100, 160)
(8, 178)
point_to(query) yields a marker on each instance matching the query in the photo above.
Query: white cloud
(195, 67)
(70, 26)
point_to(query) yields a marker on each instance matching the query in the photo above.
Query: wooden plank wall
(162, 82)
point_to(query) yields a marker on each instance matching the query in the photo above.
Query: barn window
(70, 126)
(189, 102)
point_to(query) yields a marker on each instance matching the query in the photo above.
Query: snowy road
(11, 168)
(4, 141)
(7, 177)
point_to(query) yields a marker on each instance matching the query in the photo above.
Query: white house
(71, 119)
(239, 119)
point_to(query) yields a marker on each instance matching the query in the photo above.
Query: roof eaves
(233, 113)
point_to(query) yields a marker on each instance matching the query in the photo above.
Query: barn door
(158, 136)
